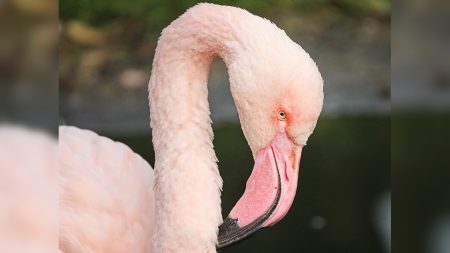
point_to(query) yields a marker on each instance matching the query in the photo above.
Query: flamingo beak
(269, 192)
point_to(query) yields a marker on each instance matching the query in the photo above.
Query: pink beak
(269, 192)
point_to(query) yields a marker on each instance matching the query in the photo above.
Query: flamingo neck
(187, 180)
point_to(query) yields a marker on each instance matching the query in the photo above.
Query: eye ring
(281, 115)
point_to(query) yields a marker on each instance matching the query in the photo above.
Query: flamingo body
(28, 191)
(106, 195)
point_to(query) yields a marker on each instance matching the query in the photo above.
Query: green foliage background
(159, 12)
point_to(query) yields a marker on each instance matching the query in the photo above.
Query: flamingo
(28, 191)
(112, 201)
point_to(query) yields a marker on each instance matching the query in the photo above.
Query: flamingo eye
(281, 115)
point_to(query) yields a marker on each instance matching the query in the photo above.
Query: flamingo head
(279, 99)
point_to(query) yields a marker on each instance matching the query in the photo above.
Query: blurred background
(420, 126)
(28, 63)
(100, 54)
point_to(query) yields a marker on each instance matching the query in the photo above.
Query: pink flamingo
(112, 201)
(28, 191)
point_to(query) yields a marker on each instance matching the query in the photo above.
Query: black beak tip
(227, 232)
(230, 232)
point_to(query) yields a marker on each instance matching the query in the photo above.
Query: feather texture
(106, 195)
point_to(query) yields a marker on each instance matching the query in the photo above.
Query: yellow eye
(281, 115)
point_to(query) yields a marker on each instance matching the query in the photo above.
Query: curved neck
(187, 181)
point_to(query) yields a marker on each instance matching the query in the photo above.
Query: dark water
(421, 180)
(344, 170)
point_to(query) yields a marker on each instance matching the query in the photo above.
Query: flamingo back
(106, 195)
